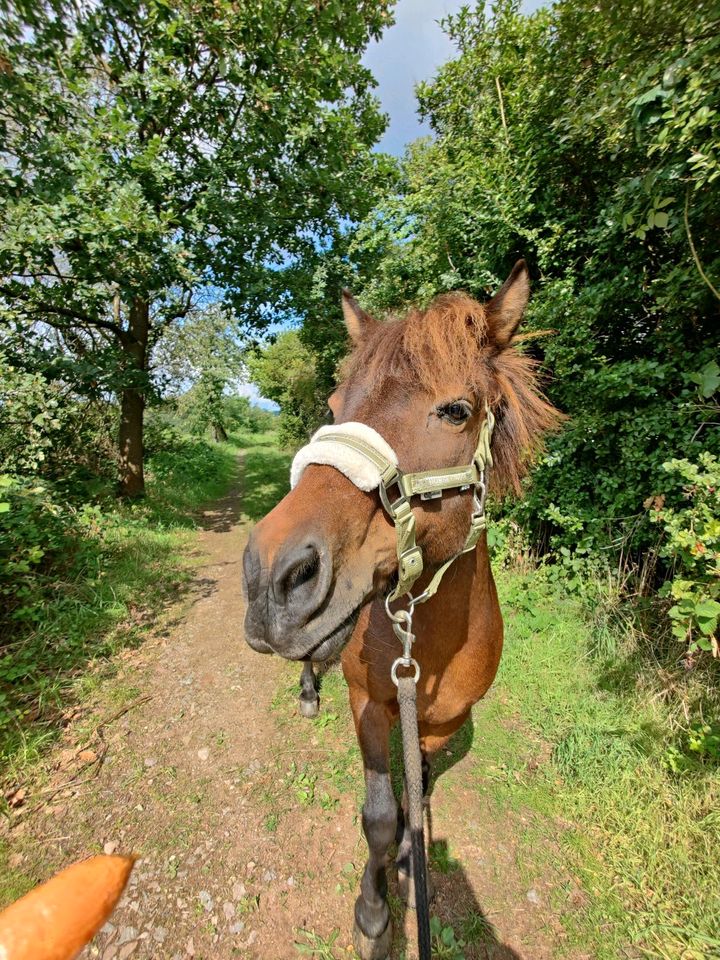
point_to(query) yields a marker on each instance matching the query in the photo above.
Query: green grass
(266, 472)
(129, 564)
(557, 739)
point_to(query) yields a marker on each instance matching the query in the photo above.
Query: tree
(584, 138)
(285, 371)
(150, 148)
(200, 358)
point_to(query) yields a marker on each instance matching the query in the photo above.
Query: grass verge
(121, 567)
(562, 739)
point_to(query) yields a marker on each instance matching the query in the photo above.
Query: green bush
(692, 547)
(40, 536)
(582, 137)
(48, 431)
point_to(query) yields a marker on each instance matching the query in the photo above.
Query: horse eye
(329, 417)
(456, 412)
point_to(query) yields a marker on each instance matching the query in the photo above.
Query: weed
(313, 945)
(446, 946)
(248, 904)
(329, 803)
(325, 720)
(302, 782)
(271, 822)
(348, 879)
(440, 859)
(476, 928)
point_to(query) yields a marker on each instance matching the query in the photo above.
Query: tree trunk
(219, 432)
(132, 402)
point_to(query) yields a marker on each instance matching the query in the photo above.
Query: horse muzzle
(289, 596)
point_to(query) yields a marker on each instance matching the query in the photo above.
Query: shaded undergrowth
(114, 573)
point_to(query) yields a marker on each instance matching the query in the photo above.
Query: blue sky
(411, 51)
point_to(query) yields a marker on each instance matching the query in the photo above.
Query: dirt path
(246, 817)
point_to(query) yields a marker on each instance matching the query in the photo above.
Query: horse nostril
(252, 570)
(304, 572)
(300, 581)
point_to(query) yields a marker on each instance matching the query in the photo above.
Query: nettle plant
(692, 542)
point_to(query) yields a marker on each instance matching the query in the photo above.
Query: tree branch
(696, 258)
(41, 306)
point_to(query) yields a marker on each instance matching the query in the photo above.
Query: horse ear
(358, 322)
(505, 310)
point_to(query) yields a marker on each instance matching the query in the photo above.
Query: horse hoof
(372, 948)
(406, 889)
(309, 708)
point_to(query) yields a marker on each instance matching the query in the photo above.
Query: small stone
(87, 756)
(229, 910)
(190, 947)
(127, 949)
(252, 938)
(206, 900)
(251, 866)
(110, 847)
(239, 891)
(533, 896)
(150, 761)
(159, 934)
(109, 929)
(237, 927)
(291, 881)
(204, 753)
(127, 934)
(269, 876)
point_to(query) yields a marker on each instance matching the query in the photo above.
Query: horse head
(424, 383)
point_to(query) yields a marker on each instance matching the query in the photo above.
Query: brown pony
(318, 567)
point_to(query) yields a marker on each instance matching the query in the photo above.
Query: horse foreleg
(372, 935)
(403, 860)
(309, 699)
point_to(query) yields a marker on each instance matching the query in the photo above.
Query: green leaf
(708, 379)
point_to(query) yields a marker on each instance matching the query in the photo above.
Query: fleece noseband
(368, 461)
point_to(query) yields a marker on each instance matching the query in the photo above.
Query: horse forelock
(450, 342)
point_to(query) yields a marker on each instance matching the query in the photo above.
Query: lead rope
(407, 702)
(412, 761)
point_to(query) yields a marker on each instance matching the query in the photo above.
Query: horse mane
(455, 338)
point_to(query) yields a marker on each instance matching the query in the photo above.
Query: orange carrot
(55, 920)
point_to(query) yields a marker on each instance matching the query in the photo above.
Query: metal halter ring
(402, 662)
(398, 616)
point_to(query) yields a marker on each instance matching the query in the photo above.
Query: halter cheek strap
(368, 460)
